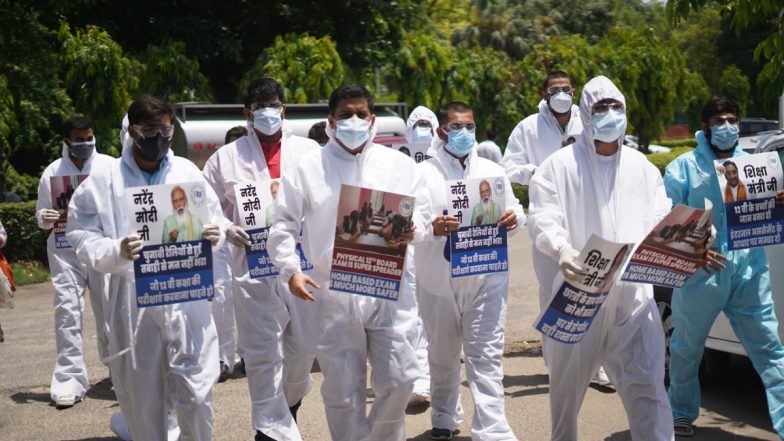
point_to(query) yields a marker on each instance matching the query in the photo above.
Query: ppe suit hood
(420, 113)
(597, 89)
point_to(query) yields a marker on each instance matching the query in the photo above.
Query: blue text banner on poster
(259, 262)
(478, 250)
(754, 223)
(174, 273)
(365, 285)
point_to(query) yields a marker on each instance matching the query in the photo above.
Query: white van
(201, 128)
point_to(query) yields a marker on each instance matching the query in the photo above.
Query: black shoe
(262, 437)
(224, 372)
(293, 409)
(441, 433)
(240, 367)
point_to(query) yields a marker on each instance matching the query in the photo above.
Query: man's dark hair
(76, 122)
(726, 164)
(262, 89)
(347, 92)
(453, 107)
(492, 133)
(717, 106)
(318, 132)
(235, 133)
(554, 75)
(148, 108)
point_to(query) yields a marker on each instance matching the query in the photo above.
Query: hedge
(660, 160)
(678, 142)
(25, 240)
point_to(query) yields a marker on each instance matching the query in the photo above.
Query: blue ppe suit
(741, 291)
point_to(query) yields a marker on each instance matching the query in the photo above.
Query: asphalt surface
(734, 406)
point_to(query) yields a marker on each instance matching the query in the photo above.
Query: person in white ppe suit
(162, 356)
(597, 186)
(420, 128)
(70, 277)
(223, 312)
(274, 326)
(352, 329)
(468, 311)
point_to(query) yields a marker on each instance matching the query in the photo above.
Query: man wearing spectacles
(467, 312)
(161, 358)
(274, 327)
(736, 282)
(598, 187)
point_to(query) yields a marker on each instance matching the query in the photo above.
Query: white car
(633, 142)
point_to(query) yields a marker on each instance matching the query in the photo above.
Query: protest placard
(479, 246)
(416, 150)
(674, 250)
(370, 248)
(749, 185)
(575, 304)
(176, 263)
(256, 207)
(63, 188)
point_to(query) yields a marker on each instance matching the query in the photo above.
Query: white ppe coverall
(467, 311)
(742, 291)
(70, 279)
(534, 139)
(352, 329)
(275, 328)
(422, 384)
(160, 356)
(576, 193)
(223, 306)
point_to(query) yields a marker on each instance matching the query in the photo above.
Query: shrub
(678, 142)
(25, 240)
(660, 160)
(521, 193)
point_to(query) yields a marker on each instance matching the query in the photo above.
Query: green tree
(693, 93)
(309, 68)
(99, 78)
(419, 70)
(696, 38)
(648, 72)
(170, 74)
(34, 102)
(734, 85)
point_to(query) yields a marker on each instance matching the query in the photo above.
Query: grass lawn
(27, 272)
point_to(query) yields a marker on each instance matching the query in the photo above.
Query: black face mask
(153, 149)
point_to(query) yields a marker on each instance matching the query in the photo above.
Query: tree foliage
(168, 73)
(419, 70)
(309, 68)
(734, 85)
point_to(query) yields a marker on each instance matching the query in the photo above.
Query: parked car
(633, 142)
(751, 126)
(201, 128)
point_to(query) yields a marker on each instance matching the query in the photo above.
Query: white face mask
(267, 120)
(352, 132)
(561, 102)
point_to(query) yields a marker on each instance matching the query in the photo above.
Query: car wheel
(663, 298)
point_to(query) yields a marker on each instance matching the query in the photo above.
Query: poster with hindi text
(63, 188)
(479, 246)
(415, 150)
(674, 250)
(370, 245)
(749, 185)
(575, 304)
(176, 263)
(255, 209)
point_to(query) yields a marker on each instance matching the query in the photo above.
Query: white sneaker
(120, 427)
(601, 378)
(66, 401)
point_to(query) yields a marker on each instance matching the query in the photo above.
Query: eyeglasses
(720, 120)
(565, 89)
(423, 123)
(273, 105)
(149, 132)
(600, 108)
(457, 126)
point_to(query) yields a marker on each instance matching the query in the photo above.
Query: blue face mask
(724, 136)
(460, 142)
(609, 126)
(422, 135)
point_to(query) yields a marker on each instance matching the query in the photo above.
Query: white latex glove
(131, 246)
(49, 216)
(237, 236)
(211, 232)
(567, 261)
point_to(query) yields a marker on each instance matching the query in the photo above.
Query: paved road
(732, 410)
